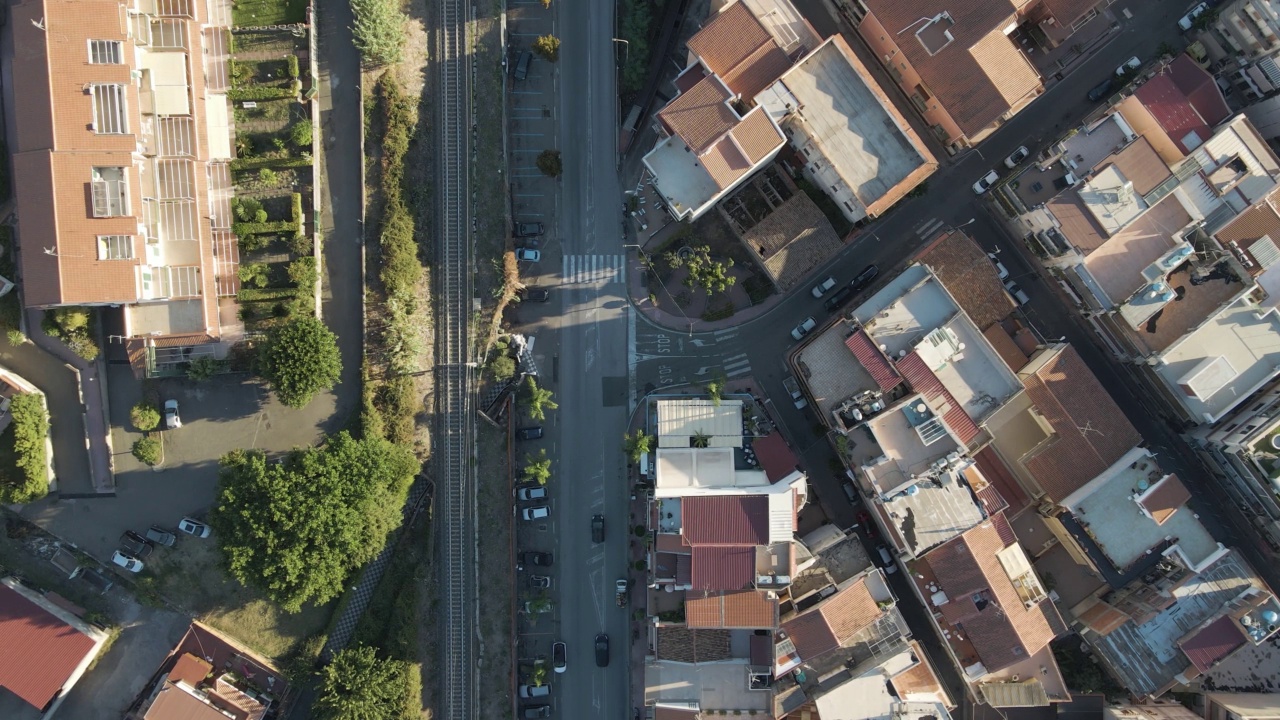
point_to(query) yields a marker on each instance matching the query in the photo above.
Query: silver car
(172, 420)
(803, 328)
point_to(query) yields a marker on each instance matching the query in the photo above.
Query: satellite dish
(922, 408)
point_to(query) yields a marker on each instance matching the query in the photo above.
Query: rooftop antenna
(38, 23)
(1088, 428)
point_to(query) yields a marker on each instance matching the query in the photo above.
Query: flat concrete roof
(934, 515)
(713, 685)
(834, 373)
(174, 317)
(681, 179)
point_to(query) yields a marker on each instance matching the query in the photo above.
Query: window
(109, 113)
(106, 52)
(110, 192)
(115, 247)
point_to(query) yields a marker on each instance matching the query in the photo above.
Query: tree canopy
(301, 359)
(144, 416)
(296, 529)
(537, 400)
(705, 273)
(548, 46)
(637, 444)
(537, 468)
(359, 685)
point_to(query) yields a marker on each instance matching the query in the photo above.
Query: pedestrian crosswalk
(736, 365)
(594, 268)
(928, 229)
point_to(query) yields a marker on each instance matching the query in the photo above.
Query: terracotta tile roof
(775, 456)
(671, 542)
(681, 644)
(922, 380)
(40, 650)
(1090, 431)
(689, 77)
(700, 116)
(865, 350)
(1163, 500)
(1201, 90)
(719, 567)
(833, 622)
(725, 163)
(1078, 224)
(1001, 478)
(737, 47)
(1173, 110)
(725, 520)
(1005, 347)
(190, 669)
(1140, 164)
(176, 703)
(970, 276)
(1099, 616)
(978, 72)
(1003, 530)
(1213, 643)
(756, 136)
(747, 609)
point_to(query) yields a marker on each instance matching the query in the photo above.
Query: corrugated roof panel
(862, 347)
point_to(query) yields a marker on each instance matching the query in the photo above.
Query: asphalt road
(664, 357)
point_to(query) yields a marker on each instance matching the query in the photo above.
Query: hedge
(297, 215)
(30, 429)
(258, 163)
(259, 294)
(292, 60)
(261, 92)
(256, 228)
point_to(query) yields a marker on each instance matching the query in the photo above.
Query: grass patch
(257, 13)
(827, 206)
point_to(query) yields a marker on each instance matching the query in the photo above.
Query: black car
(602, 650)
(536, 711)
(864, 278)
(597, 529)
(529, 433)
(135, 544)
(528, 229)
(535, 294)
(841, 297)
(1100, 90)
(540, 559)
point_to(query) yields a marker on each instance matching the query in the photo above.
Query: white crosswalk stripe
(736, 365)
(927, 230)
(593, 268)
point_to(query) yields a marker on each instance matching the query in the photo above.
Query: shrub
(267, 177)
(30, 428)
(296, 213)
(254, 163)
(15, 337)
(144, 417)
(256, 294)
(548, 46)
(264, 92)
(254, 274)
(147, 450)
(502, 367)
(256, 228)
(400, 267)
(300, 134)
(302, 272)
(549, 163)
(248, 209)
(292, 62)
(204, 368)
(378, 30)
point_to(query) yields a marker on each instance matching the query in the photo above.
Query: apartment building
(121, 141)
(758, 78)
(1251, 28)
(1241, 706)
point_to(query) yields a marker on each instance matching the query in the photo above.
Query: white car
(193, 527)
(803, 328)
(984, 184)
(172, 420)
(1129, 65)
(1016, 157)
(821, 288)
(127, 561)
(1019, 295)
(1186, 21)
(538, 512)
(1001, 270)
(528, 255)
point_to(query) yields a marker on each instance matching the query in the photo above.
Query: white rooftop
(680, 420)
(702, 471)
(680, 177)
(912, 442)
(867, 697)
(1237, 164)
(787, 26)
(711, 685)
(1111, 199)
(1224, 361)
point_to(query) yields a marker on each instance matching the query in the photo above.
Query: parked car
(537, 512)
(985, 182)
(559, 657)
(540, 581)
(529, 433)
(864, 278)
(534, 691)
(803, 328)
(193, 527)
(532, 557)
(793, 389)
(1100, 90)
(1001, 270)
(135, 544)
(1128, 66)
(535, 294)
(172, 420)
(821, 288)
(528, 229)
(842, 296)
(602, 650)
(1016, 157)
(126, 561)
(528, 255)
(160, 536)
(885, 560)
(850, 492)
(532, 712)
(1018, 294)
(522, 65)
(597, 528)
(532, 493)
(537, 607)
(1186, 22)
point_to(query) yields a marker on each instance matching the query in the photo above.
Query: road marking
(927, 229)
(592, 268)
(736, 365)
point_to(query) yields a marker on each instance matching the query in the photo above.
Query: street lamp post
(626, 55)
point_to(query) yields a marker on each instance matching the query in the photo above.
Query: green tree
(549, 163)
(715, 389)
(378, 30)
(301, 359)
(502, 367)
(254, 274)
(359, 685)
(300, 134)
(203, 368)
(637, 444)
(144, 417)
(708, 274)
(296, 530)
(537, 400)
(147, 450)
(548, 46)
(538, 676)
(537, 468)
(30, 431)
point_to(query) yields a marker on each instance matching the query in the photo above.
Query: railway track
(455, 446)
